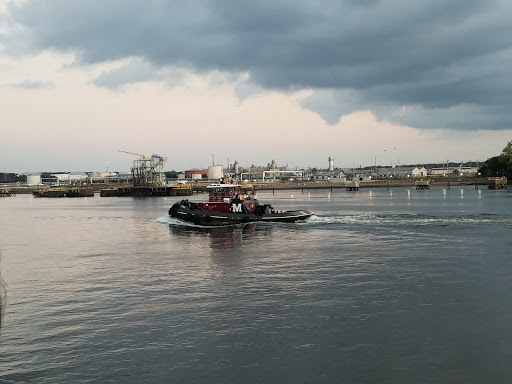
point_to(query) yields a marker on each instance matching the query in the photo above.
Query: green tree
(507, 152)
(21, 178)
(171, 174)
(500, 165)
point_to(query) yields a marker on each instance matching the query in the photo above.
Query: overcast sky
(364, 81)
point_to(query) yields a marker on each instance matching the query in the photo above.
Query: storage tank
(331, 163)
(196, 176)
(34, 179)
(215, 171)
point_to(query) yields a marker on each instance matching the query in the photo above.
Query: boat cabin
(228, 198)
(222, 193)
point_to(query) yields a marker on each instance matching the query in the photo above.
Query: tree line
(500, 165)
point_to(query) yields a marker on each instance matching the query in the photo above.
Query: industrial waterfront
(148, 179)
(148, 171)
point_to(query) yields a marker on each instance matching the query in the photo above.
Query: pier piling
(498, 182)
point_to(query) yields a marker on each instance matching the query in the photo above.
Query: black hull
(211, 218)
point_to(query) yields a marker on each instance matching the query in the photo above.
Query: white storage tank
(215, 172)
(196, 176)
(34, 179)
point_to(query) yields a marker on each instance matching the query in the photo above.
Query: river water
(381, 286)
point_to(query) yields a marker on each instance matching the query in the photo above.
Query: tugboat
(228, 205)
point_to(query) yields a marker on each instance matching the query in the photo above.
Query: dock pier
(64, 192)
(351, 186)
(5, 192)
(146, 191)
(498, 182)
(422, 184)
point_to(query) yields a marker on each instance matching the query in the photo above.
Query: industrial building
(6, 178)
(196, 174)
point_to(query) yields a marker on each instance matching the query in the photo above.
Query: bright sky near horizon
(296, 81)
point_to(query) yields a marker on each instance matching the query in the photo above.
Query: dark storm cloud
(436, 55)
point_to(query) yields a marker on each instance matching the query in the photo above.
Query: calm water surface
(381, 286)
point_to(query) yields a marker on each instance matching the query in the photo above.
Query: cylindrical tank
(331, 163)
(34, 179)
(196, 176)
(215, 171)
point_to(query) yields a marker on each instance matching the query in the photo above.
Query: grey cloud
(435, 56)
(463, 116)
(331, 104)
(131, 73)
(29, 85)
(247, 89)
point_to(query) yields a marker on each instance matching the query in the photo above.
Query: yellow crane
(136, 154)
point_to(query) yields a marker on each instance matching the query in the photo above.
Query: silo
(215, 172)
(331, 163)
(34, 179)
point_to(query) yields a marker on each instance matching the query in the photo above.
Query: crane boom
(133, 153)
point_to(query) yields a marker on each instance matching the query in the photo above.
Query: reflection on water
(225, 239)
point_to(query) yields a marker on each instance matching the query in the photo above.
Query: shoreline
(301, 185)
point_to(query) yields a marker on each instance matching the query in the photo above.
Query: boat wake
(416, 220)
(377, 220)
(169, 220)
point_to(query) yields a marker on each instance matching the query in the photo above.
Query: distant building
(462, 171)
(419, 172)
(468, 171)
(70, 179)
(331, 163)
(196, 174)
(441, 171)
(391, 172)
(362, 176)
(34, 179)
(7, 177)
(332, 176)
(272, 170)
